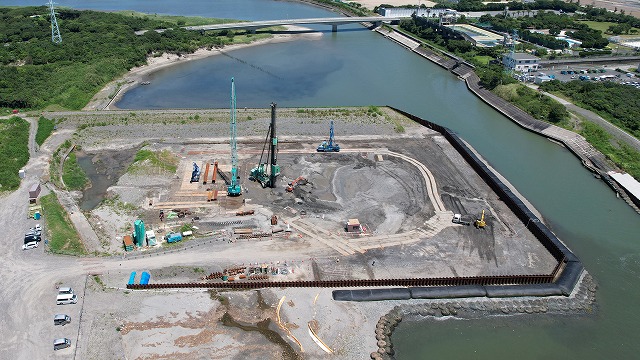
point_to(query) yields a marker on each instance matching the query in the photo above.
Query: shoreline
(110, 94)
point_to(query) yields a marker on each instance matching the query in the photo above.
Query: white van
(65, 290)
(64, 299)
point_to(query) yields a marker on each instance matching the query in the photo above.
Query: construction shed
(353, 225)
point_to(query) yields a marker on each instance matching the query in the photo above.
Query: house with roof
(522, 62)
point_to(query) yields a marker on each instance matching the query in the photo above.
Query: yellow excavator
(480, 223)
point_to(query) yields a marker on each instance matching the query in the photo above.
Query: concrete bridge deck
(334, 22)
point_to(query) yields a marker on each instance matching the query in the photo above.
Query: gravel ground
(113, 323)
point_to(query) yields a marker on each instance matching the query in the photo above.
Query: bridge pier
(334, 28)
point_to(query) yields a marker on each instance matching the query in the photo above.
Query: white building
(522, 62)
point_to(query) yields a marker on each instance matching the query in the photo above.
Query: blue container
(132, 278)
(36, 215)
(144, 278)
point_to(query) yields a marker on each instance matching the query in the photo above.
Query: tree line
(97, 47)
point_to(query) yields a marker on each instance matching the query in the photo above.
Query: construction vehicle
(234, 188)
(480, 223)
(299, 181)
(329, 146)
(461, 219)
(195, 174)
(265, 173)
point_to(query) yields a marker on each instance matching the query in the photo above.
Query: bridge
(334, 22)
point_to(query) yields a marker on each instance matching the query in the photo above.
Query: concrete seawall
(590, 157)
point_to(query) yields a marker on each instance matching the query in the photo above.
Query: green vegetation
(198, 270)
(56, 160)
(72, 174)
(534, 103)
(98, 281)
(617, 103)
(186, 227)
(146, 159)
(121, 208)
(63, 237)
(98, 47)
(45, 127)
(353, 8)
(14, 151)
(620, 153)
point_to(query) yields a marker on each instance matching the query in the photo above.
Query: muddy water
(103, 170)
(288, 353)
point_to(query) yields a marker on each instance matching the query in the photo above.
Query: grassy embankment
(72, 174)
(14, 151)
(45, 128)
(618, 104)
(63, 237)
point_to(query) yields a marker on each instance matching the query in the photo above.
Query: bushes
(14, 151)
(537, 105)
(64, 238)
(619, 104)
(72, 174)
(97, 48)
(45, 127)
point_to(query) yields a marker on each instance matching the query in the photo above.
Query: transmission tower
(56, 38)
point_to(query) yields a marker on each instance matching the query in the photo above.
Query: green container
(139, 233)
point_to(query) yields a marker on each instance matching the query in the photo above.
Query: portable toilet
(151, 238)
(139, 233)
(132, 278)
(144, 278)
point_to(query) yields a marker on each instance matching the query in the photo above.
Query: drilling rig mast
(234, 188)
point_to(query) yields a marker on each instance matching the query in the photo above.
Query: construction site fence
(545, 236)
(448, 281)
(562, 280)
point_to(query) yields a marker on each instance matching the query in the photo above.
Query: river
(358, 67)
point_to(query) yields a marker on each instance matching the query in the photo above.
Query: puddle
(288, 353)
(103, 170)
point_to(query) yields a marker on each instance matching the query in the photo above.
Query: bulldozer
(480, 223)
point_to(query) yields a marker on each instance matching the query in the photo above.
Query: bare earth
(407, 237)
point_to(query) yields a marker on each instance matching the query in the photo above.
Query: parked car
(61, 319)
(31, 237)
(61, 343)
(30, 245)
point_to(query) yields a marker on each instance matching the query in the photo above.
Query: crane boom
(234, 188)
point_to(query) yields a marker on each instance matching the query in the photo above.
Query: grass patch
(63, 238)
(45, 128)
(72, 174)
(120, 207)
(624, 156)
(147, 159)
(14, 151)
(98, 281)
(533, 102)
(54, 165)
(482, 59)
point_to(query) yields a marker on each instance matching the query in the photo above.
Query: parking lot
(586, 72)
